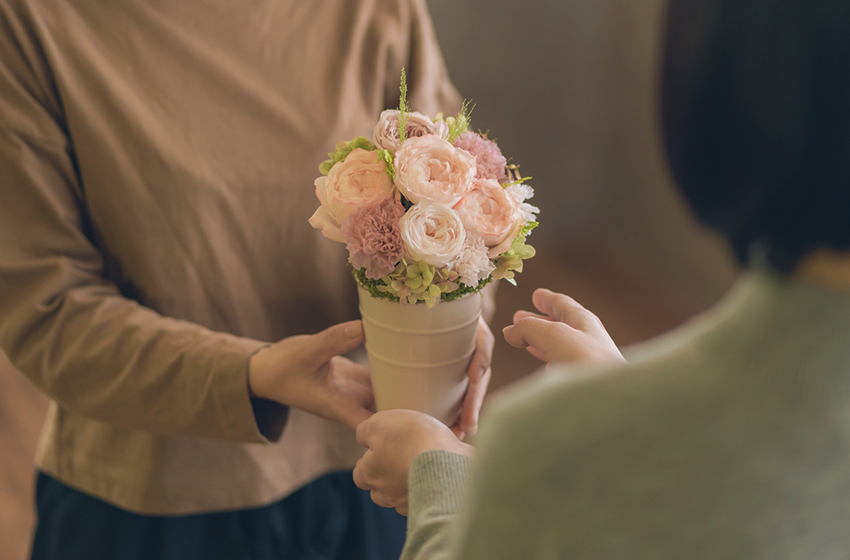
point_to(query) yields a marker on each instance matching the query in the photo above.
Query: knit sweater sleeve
(436, 481)
(493, 509)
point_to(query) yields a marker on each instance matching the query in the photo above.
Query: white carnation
(521, 193)
(472, 264)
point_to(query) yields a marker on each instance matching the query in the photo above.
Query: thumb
(363, 432)
(336, 340)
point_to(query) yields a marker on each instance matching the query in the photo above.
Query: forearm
(436, 483)
(109, 358)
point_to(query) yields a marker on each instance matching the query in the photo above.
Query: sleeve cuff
(247, 420)
(436, 481)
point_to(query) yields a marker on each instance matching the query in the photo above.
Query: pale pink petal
(320, 184)
(323, 220)
(505, 245)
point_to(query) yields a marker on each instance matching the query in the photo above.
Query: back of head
(756, 121)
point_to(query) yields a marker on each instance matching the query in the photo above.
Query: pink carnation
(488, 157)
(373, 238)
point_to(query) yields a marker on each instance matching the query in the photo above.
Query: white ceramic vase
(419, 356)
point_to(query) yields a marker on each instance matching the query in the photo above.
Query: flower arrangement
(428, 209)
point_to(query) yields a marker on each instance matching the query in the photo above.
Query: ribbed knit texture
(438, 478)
(436, 481)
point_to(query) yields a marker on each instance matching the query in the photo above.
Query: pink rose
(488, 211)
(385, 135)
(432, 233)
(360, 180)
(429, 168)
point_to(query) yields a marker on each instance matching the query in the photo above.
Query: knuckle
(524, 323)
(577, 316)
(379, 499)
(359, 480)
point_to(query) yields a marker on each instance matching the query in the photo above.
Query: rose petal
(320, 183)
(322, 219)
(505, 245)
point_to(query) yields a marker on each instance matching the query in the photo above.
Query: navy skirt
(329, 519)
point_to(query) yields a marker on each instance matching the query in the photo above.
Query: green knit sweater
(728, 438)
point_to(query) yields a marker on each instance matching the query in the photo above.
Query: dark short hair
(756, 121)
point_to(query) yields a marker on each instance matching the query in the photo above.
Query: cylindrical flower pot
(419, 356)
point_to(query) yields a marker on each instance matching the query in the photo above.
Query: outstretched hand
(392, 439)
(563, 331)
(307, 372)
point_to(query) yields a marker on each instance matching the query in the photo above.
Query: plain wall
(569, 90)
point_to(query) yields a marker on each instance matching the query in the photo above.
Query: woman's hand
(565, 332)
(479, 378)
(393, 438)
(307, 372)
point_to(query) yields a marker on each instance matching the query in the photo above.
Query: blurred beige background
(568, 87)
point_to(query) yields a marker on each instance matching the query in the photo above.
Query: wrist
(256, 367)
(446, 442)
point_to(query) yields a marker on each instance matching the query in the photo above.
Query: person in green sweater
(727, 438)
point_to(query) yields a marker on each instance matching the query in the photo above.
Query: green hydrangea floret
(341, 151)
(417, 283)
(511, 261)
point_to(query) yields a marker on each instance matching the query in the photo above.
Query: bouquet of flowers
(428, 209)
(431, 212)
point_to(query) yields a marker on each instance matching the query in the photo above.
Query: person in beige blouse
(156, 170)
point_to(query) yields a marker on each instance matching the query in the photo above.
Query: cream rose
(490, 212)
(432, 233)
(360, 180)
(385, 135)
(430, 169)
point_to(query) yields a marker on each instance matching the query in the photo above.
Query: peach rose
(432, 233)
(360, 180)
(490, 212)
(429, 168)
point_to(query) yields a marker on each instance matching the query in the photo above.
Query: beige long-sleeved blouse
(156, 177)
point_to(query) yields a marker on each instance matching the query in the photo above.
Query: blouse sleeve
(66, 327)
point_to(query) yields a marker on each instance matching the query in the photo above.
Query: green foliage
(417, 283)
(460, 124)
(403, 109)
(526, 230)
(341, 151)
(371, 286)
(519, 181)
(464, 289)
(388, 161)
(511, 261)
